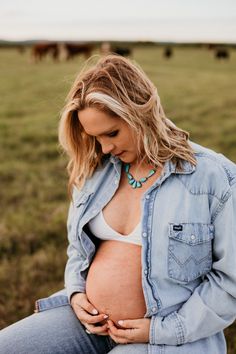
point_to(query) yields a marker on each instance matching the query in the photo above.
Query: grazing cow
(72, 50)
(124, 51)
(211, 46)
(106, 48)
(168, 52)
(221, 53)
(40, 50)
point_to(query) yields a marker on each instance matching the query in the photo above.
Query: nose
(106, 145)
(107, 148)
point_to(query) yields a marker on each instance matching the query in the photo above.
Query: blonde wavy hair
(120, 88)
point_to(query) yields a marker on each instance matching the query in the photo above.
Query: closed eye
(112, 134)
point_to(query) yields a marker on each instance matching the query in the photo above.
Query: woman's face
(113, 133)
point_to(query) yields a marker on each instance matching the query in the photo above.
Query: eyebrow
(108, 131)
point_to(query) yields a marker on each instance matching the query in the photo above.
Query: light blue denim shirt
(188, 223)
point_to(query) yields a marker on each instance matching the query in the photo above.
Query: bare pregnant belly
(114, 281)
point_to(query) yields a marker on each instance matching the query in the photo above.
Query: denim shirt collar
(187, 167)
(169, 166)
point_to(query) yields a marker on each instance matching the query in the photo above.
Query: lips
(119, 153)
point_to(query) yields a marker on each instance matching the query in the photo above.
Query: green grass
(197, 93)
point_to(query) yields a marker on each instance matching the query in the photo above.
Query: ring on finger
(87, 331)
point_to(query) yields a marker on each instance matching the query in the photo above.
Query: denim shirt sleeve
(74, 282)
(212, 305)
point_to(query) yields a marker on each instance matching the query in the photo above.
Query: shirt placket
(153, 302)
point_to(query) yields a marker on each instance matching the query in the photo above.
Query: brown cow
(72, 50)
(40, 50)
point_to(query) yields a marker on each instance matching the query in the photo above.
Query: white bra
(99, 227)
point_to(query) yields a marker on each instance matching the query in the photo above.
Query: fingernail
(121, 322)
(105, 316)
(95, 312)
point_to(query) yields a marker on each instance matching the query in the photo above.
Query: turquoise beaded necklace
(132, 181)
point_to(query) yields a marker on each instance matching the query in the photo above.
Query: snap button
(116, 181)
(147, 196)
(193, 237)
(144, 234)
(145, 271)
(154, 309)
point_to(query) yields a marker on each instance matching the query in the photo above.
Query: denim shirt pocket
(190, 250)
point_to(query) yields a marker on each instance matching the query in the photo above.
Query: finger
(103, 334)
(118, 339)
(97, 329)
(99, 334)
(85, 317)
(131, 323)
(86, 305)
(121, 333)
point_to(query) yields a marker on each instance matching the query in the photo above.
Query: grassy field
(198, 94)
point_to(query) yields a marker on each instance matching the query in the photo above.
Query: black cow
(124, 51)
(168, 52)
(72, 50)
(221, 53)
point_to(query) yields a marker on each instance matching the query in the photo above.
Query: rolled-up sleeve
(212, 305)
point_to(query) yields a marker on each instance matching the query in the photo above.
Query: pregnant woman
(151, 229)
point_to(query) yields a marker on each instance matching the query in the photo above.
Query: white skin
(115, 136)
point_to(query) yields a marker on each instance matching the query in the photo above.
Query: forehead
(96, 122)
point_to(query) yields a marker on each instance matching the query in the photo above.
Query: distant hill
(7, 43)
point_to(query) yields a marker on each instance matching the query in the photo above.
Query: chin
(123, 159)
(127, 159)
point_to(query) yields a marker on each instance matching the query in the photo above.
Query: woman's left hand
(135, 331)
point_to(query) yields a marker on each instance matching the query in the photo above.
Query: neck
(140, 166)
(134, 180)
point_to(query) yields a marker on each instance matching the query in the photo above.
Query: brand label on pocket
(178, 227)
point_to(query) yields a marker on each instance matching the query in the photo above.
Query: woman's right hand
(86, 313)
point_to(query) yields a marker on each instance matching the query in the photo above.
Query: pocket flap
(191, 233)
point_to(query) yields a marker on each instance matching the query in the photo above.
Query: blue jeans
(55, 329)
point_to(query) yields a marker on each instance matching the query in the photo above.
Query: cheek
(127, 140)
(132, 140)
(127, 143)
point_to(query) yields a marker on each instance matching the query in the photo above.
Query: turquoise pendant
(143, 179)
(129, 176)
(127, 168)
(132, 181)
(151, 173)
